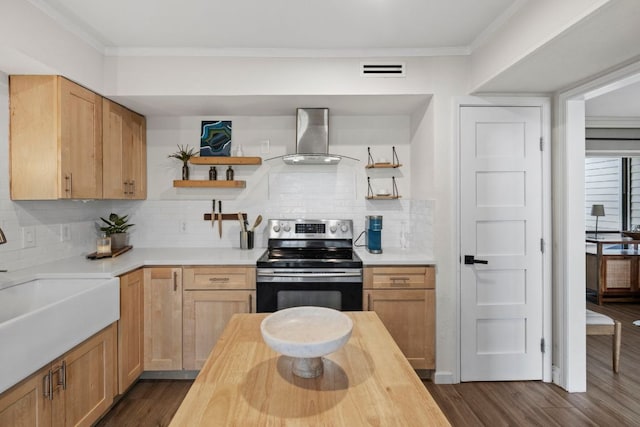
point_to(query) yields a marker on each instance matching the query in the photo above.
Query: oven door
(340, 289)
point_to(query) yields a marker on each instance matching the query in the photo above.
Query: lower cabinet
(24, 404)
(162, 318)
(74, 390)
(404, 299)
(211, 296)
(131, 329)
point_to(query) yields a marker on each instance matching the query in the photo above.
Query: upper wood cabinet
(58, 141)
(124, 149)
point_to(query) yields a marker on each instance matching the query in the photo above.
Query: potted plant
(116, 228)
(184, 153)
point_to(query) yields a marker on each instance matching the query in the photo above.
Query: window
(603, 185)
(612, 178)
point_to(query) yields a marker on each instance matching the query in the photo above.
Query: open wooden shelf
(389, 197)
(383, 165)
(225, 160)
(209, 184)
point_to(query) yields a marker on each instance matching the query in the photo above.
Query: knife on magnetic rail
(220, 217)
(213, 213)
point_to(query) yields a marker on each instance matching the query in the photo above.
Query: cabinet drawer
(399, 277)
(219, 278)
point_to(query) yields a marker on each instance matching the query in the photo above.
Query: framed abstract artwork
(215, 138)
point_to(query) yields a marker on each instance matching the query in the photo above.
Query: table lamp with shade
(597, 211)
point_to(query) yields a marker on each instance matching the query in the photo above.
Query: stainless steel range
(309, 262)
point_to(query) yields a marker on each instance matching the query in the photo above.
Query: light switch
(265, 146)
(29, 237)
(65, 232)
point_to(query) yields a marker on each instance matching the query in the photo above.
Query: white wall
(35, 43)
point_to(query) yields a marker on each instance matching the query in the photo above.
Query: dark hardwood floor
(611, 399)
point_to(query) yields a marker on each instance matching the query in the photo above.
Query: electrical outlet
(65, 232)
(183, 227)
(265, 146)
(29, 237)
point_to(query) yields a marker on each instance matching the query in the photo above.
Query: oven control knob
(344, 228)
(333, 228)
(276, 228)
(286, 228)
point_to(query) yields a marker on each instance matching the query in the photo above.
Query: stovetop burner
(302, 243)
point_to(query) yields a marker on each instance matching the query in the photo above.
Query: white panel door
(501, 216)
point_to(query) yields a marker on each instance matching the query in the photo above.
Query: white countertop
(80, 267)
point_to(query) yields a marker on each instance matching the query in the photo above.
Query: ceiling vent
(383, 69)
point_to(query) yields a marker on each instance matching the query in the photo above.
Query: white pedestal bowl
(306, 334)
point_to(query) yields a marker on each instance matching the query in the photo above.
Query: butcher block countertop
(367, 382)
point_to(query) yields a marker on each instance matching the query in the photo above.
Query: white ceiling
(343, 27)
(281, 24)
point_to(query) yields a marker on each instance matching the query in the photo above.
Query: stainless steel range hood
(312, 139)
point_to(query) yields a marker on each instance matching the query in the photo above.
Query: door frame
(569, 272)
(544, 104)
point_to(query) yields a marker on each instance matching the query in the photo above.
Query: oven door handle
(314, 274)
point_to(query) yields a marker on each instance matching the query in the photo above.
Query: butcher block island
(367, 382)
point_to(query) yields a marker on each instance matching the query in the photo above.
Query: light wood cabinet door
(124, 152)
(206, 314)
(211, 296)
(55, 139)
(25, 404)
(131, 329)
(162, 318)
(404, 299)
(85, 380)
(80, 141)
(409, 317)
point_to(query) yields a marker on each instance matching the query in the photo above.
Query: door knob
(470, 259)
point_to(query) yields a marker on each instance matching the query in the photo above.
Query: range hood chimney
(312, 139)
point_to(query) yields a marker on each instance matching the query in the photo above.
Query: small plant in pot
(116, 228)
(183, 154)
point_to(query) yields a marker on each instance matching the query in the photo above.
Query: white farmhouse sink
(43, 318)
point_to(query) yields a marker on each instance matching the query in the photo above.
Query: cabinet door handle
(368, 302)
(399, 282)
(250, 303)
(67, 183)
(47, 386)
(133, 187)
(62, 374)
(175, 281)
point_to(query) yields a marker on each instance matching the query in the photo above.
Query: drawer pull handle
(400, 282)
(219, 279)
(47, 385)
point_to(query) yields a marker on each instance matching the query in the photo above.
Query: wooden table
(367, 382)
(612, 273)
